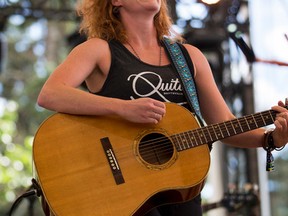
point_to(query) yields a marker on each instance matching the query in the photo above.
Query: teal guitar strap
(182, 68)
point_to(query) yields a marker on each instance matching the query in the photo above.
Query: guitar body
(76, 169)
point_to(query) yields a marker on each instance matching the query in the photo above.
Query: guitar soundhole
(156, 149)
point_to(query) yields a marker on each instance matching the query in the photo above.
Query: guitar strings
(234, 126)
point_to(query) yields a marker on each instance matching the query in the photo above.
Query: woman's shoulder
(195, 53)
(92, 47)
(92, 42)
(191, 48)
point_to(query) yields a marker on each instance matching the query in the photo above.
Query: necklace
(136, 54)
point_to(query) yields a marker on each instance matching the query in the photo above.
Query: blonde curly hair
(101, 19)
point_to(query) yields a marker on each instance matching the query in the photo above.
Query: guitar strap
(185, 74)
(181, 66)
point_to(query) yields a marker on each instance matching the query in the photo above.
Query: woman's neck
(140, 28)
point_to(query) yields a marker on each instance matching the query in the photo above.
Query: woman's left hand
(280, 134)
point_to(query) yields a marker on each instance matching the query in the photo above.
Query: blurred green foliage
(31, 49)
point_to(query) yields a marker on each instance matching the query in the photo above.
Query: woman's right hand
(143, 110)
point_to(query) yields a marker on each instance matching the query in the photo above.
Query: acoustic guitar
(96, 165)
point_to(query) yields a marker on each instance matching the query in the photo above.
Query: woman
(124, 42)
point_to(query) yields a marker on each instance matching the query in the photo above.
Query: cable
(35, 191)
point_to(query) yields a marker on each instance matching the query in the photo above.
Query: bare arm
(215, 110)
(60, 93)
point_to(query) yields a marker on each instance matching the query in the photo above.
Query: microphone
(249, 53)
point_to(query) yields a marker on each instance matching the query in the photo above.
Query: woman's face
(138, 6)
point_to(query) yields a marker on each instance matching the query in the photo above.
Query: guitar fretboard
(214, 132)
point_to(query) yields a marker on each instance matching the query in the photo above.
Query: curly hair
(101, 19)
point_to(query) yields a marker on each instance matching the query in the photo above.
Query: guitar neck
(219, 131)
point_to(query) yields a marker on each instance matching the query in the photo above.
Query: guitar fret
(197, 137)
(211, 133)
(200, 135)
(262, 119)
(222, 130)
(266, 118)
(237, 126)
(255, 121)
(247, 123)
(175, 140)
(210, 136)
(218, 131)
(240, 125)
(259, 120)
(270, 114)
(269, 117)
(204, 135)
(193, 138)
(180, 140)
(213, 127)
(233, 127)
(186, 142)
(191, 143)
(227, 129)
(243, 124)
(251, 122)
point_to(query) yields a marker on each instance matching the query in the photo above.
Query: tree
(34, 46)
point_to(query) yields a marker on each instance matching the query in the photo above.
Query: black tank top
(129, 78)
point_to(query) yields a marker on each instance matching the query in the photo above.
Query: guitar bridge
(112, 160)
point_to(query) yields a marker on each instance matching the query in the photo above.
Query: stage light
(210, 2)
